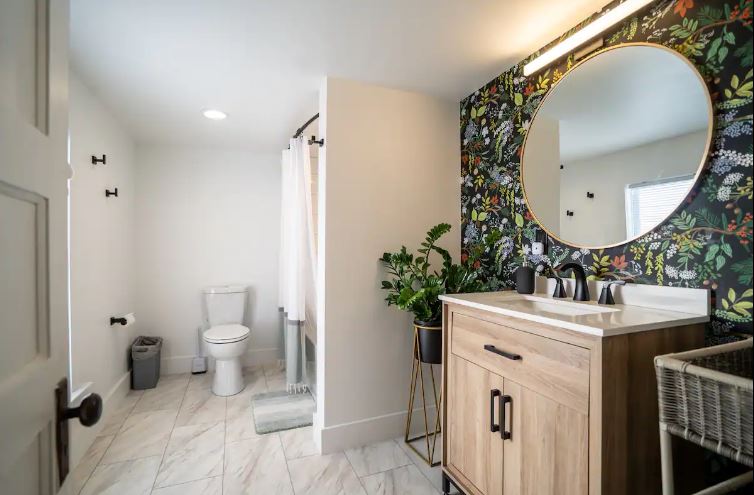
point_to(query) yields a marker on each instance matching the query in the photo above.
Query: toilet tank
(225, 304)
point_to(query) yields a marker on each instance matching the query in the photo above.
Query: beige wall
(667, 158)
(102, 253)
(541, 170)
(206, 216)
(388, 172)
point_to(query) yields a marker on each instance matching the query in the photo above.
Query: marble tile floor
(180, 439)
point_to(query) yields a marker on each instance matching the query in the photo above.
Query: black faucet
(582, 290)
(559, 291)
(606, 297)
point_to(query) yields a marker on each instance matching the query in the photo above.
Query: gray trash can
(145, 362)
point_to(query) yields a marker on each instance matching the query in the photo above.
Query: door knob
(88, 412)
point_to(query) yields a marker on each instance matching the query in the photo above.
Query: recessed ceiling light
(214, 114)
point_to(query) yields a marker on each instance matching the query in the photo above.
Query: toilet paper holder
(124, 320)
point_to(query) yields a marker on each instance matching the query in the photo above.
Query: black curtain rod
(303, 127)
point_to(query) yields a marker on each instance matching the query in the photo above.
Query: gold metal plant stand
(418, 374)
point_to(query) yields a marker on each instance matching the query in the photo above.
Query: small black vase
(525, 280)
(430, 341)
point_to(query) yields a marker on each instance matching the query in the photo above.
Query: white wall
(389, 170)
(666, 158)
(102, 250)
(205, 216)
(541, 171)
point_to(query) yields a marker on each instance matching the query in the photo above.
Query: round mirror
(616, 145)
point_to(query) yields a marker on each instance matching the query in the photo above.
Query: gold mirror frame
(700, 168)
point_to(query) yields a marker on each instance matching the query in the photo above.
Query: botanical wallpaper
(706, 243)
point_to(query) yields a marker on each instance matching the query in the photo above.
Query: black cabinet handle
(504, 399)
(495, 350)
(493, 427)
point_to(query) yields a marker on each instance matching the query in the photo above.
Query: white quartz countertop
(587, 317)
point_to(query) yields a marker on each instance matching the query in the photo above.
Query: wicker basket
(705, 397)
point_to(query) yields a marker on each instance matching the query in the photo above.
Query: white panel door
(33, 252)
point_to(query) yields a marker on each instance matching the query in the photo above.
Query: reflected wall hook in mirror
(590, 195)
(102, 160)
(313, 140)
(109, 193)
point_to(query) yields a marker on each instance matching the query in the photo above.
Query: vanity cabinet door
(547, 452)
(475, 448)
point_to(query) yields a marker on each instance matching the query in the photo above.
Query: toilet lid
(226, 333)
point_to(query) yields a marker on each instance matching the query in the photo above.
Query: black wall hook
(114, 320)
(589, 194)
(102, 160)
(109, 193)
(313, 140)
(569, 213)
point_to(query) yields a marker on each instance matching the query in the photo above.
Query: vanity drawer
(553, 368)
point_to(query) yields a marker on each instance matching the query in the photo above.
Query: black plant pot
(430, 341)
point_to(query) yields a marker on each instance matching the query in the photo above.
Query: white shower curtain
(297, 259)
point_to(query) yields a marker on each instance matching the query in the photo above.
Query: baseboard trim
(82, 437)
(171, 365)
(370, 430)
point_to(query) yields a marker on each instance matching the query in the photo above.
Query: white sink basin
(540, 305)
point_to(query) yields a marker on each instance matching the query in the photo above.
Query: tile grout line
(225, 445)
(130, 413)
(361, 482)
(96, 465)
(411, 463)
(287, 467)
(162, 459)
(418, 466)
(187, 482)
(225, 428)
(99, 461)
(198, 479)
(225, 437)
(277, 433)
(115, 435)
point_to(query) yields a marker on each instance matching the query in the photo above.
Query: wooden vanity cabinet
(476, 452)
(536, 409)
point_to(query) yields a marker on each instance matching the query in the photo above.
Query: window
(649, 203)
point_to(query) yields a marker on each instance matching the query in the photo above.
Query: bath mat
(278, 411)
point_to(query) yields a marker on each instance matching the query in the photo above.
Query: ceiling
(625, 98)
(157, 63)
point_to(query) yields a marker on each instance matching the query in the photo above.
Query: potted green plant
(415, 286)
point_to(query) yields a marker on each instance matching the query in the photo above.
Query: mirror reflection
(616, 145)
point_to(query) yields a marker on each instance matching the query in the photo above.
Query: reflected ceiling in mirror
(616, 145)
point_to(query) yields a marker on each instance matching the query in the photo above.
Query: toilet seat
(226, 334)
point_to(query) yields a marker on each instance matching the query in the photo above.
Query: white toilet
(226, 338)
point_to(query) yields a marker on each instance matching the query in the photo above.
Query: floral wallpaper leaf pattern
(706, 243)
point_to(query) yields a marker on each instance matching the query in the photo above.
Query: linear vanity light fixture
(589, 31)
